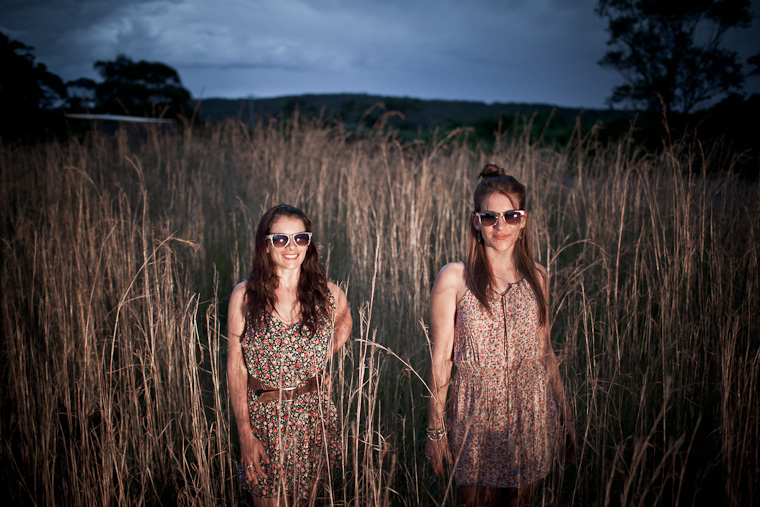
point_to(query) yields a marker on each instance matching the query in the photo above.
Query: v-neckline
(509, 287)
(274, 316)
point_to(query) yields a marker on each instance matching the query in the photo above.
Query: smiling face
(291, 256)
(501, 236)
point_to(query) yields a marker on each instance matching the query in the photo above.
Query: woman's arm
(443, 303)
(343, 322)
(251, 449)
(549, 360)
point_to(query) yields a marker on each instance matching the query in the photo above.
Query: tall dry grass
(119, 252)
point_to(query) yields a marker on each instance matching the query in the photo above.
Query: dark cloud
(521, 50)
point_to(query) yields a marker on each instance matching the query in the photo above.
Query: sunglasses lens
(279, 240)
(512, 217)
(302, 239)
(488, 219)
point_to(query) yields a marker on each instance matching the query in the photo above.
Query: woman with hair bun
(285, 322)
(489, 316)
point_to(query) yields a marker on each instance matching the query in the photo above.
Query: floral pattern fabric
(300, 436)
(503, 420)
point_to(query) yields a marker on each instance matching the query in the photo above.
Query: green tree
(139, 88)
(669, 52)
(28, 91)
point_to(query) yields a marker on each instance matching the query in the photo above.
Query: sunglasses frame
(291, 237)
(519, 212)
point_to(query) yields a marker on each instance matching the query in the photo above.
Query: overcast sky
(542, 51)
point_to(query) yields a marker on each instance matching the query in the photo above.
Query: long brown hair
(262, 281)
(478, 273)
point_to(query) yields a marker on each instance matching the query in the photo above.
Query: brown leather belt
(266, 394)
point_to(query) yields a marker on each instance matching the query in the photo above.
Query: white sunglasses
(489, 218)
(281, 240)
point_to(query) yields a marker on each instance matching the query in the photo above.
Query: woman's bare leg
(520, 497)
(264, 502)
(479, 496)
(287, 500)
(273, 502)
(486, 496)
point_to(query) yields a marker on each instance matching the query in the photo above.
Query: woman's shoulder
(238, 308)
(333, 289)
(336, 294)
(452, 276)
(238, 293)
(449, 289)
(543, 279)
(453, 271)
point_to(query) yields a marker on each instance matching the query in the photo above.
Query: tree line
(671, 56)
(32, 98)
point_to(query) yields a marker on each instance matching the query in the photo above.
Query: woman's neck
(500, 260)
(288, 279)
(503, 270)
(286, 305)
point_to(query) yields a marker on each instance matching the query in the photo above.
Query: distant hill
(415, 114)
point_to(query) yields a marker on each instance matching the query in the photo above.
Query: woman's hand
(252, 455)
(252, 452)
(447, 291)
(436, 452)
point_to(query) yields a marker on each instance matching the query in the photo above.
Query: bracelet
(436, 433)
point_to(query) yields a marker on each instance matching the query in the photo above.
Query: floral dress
(503, 421)
(300, 436)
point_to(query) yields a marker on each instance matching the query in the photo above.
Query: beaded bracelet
(436, 433)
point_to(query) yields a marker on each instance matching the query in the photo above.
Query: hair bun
(491, 170)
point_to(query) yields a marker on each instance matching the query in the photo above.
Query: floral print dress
(503, 420)
(302, 435)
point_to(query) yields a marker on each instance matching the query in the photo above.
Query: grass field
(119, 253)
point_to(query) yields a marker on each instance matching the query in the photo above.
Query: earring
(521, 233)
(479, 237)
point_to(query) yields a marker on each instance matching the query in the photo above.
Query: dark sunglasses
(282, 240)
(489, 218)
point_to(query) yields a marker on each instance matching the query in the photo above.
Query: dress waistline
(482, 371)
(266, 394)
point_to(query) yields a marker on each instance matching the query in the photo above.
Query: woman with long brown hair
(489, 316)
(285, 322)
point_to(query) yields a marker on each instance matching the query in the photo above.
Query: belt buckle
(288, 390)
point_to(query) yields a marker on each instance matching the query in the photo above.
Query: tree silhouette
(139, 88)
(81, 95)
(28, 91)
(669, 51)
